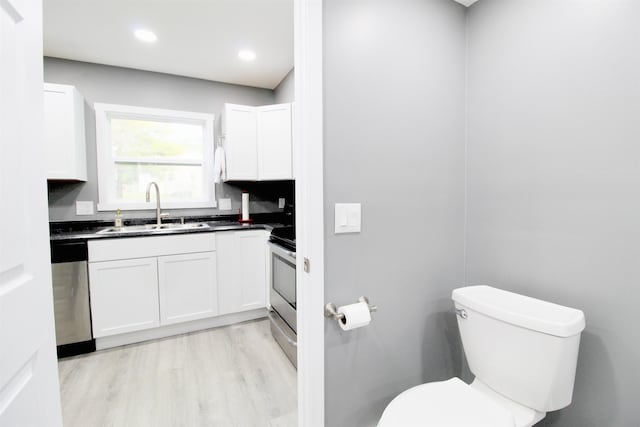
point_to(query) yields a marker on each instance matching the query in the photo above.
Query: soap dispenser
(118, 219)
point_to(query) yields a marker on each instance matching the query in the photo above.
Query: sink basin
(151, 228)
(187, 226)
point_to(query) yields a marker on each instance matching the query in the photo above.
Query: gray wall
(554, 178)
(285, 91)
(394, 141)
(101, 83)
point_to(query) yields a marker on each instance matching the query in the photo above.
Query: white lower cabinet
(242, 274)
(124, 296)
(145, 282)
(188, 288)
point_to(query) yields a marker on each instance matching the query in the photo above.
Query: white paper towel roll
(355, 316)
(245, 206)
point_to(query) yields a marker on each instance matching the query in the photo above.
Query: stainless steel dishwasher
(71, 298)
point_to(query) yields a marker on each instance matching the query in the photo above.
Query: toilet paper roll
(355, 316)
(245, 206)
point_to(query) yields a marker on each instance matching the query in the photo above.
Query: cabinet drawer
(150, 246)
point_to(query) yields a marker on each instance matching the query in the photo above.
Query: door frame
(308, 156)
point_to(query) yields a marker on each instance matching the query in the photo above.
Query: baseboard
(178, 328)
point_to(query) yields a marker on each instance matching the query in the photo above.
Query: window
(138, 145)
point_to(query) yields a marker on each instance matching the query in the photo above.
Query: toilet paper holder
(331, 311)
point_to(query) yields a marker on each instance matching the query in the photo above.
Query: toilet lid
(449, 403)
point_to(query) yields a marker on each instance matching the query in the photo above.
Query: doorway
(315, 263)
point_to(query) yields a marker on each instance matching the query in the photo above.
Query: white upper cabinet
(274, 142)
(258, 142)
(64, 133)
(239, 127)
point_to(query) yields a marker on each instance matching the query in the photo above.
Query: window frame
(106, 161)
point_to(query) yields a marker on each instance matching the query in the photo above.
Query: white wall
(554, 178)
(394, 141)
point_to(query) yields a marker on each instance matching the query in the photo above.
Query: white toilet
(523, 353)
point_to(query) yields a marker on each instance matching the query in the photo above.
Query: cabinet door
(64, 133)
(240, 142)
(274, 142)
(253, 271)
(293, 141)
(188, 287)
(227, 253)
(242, 273)
(124, 296)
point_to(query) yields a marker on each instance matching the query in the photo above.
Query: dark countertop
(73, 231)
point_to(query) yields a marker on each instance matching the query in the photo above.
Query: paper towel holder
(331, 311)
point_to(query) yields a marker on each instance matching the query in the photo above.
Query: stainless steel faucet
(158, 214)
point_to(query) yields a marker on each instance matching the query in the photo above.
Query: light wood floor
(231, 376)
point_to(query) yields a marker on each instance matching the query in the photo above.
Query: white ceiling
(466, 2)
(196, 38)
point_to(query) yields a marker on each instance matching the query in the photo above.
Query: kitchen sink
(151, 228)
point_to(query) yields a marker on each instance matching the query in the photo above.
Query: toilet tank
(523, 348)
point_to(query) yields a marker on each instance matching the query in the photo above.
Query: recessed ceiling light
(247, 55)
(145, 36)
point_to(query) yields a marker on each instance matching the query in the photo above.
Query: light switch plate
(281, 202)
(84, 207)
(348, 218)
(224, 204)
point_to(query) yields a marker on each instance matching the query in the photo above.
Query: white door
(274, 142)
(242, 271)
(188, 287)
(227, 253)
(58, 133)
(124, 296)
(240, 142)
(29, 393)
(64, 132)
(253, 269)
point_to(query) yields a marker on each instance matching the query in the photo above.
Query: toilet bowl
(453, 403)
(523, 352)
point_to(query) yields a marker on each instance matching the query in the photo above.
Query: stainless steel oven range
(282, 294)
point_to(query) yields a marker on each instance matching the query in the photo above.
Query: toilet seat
(450, 403)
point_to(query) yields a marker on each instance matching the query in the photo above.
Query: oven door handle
(282, 251)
